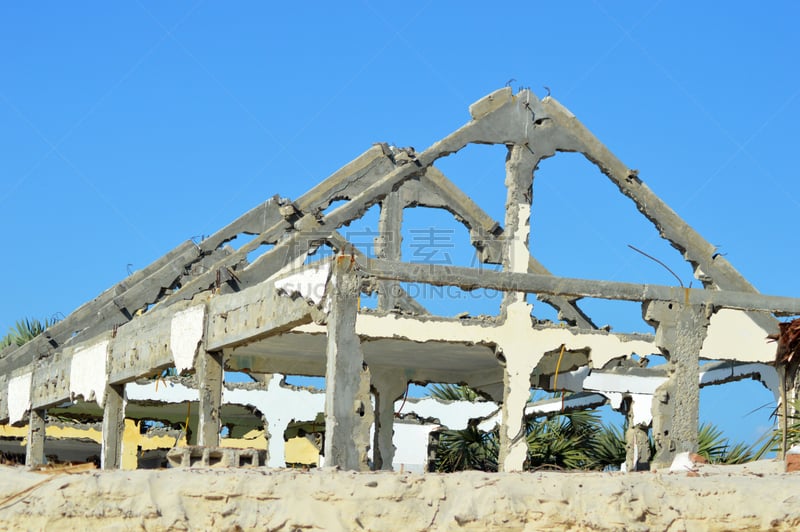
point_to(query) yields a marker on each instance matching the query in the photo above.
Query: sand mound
(737, 497)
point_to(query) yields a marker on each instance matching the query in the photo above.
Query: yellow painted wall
(301, 451)
(133, 440)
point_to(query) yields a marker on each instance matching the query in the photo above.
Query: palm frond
(453, 392)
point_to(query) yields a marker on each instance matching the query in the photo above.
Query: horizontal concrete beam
(253, 314)
(471, 279)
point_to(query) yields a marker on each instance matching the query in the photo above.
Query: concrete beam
(155, 341)
(50, 382)
(254, 313)
(565, 133)
(487, 236)
(106, 310)
(401, 299)
(470, 279)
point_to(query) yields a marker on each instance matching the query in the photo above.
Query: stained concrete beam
(254, 222)
(401, 300)
(155, 341)
(257, 312)
(470, 279)
(142, 287)
(487, 236)
(348, 181)
(50, 381)
(566, 133)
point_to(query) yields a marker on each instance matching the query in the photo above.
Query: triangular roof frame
(394, 178)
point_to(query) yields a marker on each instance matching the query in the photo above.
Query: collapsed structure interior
(279, 305)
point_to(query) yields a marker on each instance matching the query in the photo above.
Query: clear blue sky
(126, 129)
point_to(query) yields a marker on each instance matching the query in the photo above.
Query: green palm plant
(25, 330)
(717, 449)
(453, 392)
(607, 450)
(576, 440)
(469, 448)
(562, 440)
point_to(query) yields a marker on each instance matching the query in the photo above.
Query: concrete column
(348, 409)
(389, 386)
(516, 393)
(520, 164)
(637, 442)
(680, 332)
(387, 245)
(113, 427)
(516, 354)
(209, 377)
(34, 451)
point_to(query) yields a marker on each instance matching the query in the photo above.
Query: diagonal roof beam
(559, 130)
(486, 233)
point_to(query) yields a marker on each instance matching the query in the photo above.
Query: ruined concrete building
(203, 308)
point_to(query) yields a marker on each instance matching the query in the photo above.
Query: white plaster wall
(411, 447)
(454, 415)
(767, 375)
(166, 392)
(629, 384)
(186, 333)
(308, 283)
(280, 405)
(520, 254)
(604, 347)
(733, 335)
(19, 397)
(87, 373)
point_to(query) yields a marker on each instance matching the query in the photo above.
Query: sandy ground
(751, 497)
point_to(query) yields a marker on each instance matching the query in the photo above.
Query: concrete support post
(516, 394)
(388, 386)
(387, 245)
(210, 377)
(520, 163)
(34, 451)
(348, 409)
(680, 332)
(516, 354)
(637, 443)
(113, 427)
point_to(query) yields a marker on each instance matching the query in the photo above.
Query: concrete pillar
(348, 409)
(517, 355)
(387, 245)
(389, 386)
(34, 451)
(209, 377)
(113, 427)
(520, 163)
(680, 332)
(637, 442)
